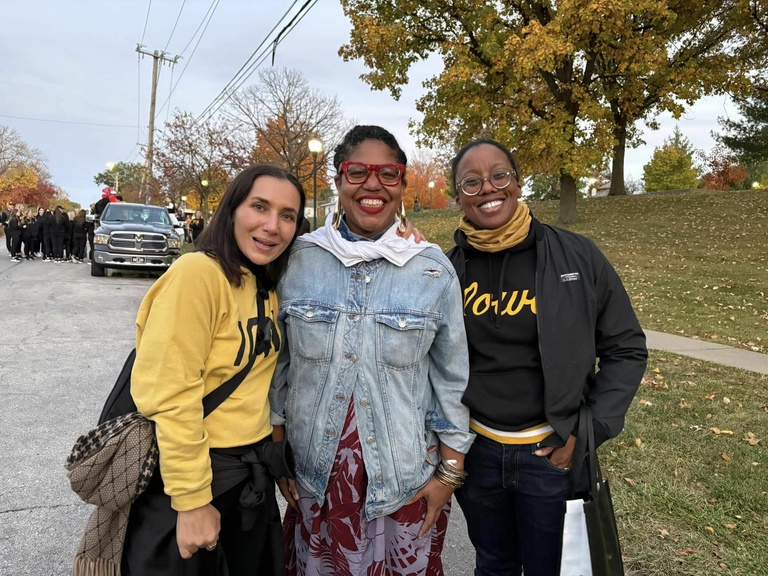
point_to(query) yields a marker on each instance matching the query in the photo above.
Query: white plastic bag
(575, 558)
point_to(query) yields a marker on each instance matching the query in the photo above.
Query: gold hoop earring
(403, 221)
(337, 214)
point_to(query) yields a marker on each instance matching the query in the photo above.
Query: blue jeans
(514, 504)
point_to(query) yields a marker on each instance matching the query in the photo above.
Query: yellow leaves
(644, 402)
(725, 457)
(639, 443)
(752, 440)
(709, 529)
(719, 432)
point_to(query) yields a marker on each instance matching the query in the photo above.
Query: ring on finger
(211, 547)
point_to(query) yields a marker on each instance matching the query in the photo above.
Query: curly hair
(360, 134)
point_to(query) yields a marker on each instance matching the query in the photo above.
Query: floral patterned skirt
(336, 539)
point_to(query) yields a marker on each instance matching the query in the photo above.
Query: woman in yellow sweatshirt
(210, 321)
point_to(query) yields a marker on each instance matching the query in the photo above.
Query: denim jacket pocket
(400, 338)
(312, 330)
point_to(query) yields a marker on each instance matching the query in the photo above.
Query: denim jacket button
(310, 313)
(369, 439)
(401, 322)
(378, 476)
(367, 279)
(364, 402)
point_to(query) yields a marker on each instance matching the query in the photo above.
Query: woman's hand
(560, 457)
(288, 490)
(436, 494)
(198, 528)
(411, 230)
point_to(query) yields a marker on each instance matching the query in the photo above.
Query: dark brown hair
(460, 154)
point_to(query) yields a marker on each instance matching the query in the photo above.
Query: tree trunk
(568, 194)
(619, 149)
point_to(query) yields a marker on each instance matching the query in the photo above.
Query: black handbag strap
(585, 445)
(216, 397)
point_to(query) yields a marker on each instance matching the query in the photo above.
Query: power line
(251, 65)
(211, 11)
(146, 22)
(214, 2)
(69, 122)
(175, 24)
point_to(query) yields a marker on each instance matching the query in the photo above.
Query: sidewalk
(709, 351)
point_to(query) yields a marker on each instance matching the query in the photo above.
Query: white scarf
(390, 246)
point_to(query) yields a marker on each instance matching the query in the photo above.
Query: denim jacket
(389, 339)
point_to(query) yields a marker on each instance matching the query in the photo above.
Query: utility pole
(157, 56)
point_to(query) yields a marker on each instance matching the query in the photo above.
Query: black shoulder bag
(602, 533)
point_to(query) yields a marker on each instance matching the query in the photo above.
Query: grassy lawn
(689, 473)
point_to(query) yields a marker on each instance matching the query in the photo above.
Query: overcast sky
(75, 62)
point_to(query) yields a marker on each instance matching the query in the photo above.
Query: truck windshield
(118, 212)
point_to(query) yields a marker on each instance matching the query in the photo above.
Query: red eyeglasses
(358, 172)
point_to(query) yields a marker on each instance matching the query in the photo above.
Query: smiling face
(370, 207)
(490, 208)
(265, 222)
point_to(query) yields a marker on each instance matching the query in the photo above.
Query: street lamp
(431, 186)
(755, 185)
(315, 146)
(111, 166)
(183, 203)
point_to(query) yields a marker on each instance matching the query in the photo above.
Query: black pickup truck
(134, 236)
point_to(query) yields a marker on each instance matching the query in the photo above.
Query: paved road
(63, 340)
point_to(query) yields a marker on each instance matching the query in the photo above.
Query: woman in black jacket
(79, 232)
(196, 225)
(28, 232)
(58, 228)
(541, 304)
(14, 231)
(37, 241)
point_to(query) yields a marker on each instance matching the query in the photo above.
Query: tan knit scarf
(110, 467)
(498, 239)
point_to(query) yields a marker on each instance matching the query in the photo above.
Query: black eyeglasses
(358, 172)
(499, 179)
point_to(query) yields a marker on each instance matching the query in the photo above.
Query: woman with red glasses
(370, 380)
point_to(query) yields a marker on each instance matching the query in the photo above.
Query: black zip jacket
(583, 314)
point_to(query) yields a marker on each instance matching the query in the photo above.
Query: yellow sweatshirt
(196, 331)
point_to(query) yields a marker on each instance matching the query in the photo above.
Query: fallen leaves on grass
(726, 457)
(719, 432)
(752, 440)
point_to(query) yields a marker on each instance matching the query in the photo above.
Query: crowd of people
(53, 235)
(396, 376)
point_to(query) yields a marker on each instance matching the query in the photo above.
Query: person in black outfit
(79, 231)
(14, 232)
(58, 227)
(37, 240)
(90, 229)
(5, 216)
(47, 242)
(196, 225)
(28, 232)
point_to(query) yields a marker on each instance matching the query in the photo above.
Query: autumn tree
(126, 176)
(194, 160)
(22, 169)
(276, 118)
(534, 75)
(722, 169)
(685, 50)
(424, 166)
(671, 166)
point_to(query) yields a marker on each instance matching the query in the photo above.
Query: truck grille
(138, 241)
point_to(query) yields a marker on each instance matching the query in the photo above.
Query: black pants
(15, 245)
(57, 247)
(78, 246)
(47, 247)
(150, 542)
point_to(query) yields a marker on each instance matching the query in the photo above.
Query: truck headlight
(173, 242)
(101, 239)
